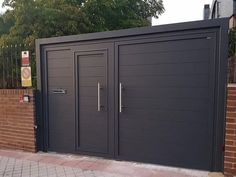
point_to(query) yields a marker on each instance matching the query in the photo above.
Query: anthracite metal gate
(152, 94)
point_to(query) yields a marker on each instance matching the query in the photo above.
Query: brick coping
(232, 85)
(16, 91)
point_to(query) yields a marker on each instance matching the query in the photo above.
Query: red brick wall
(230, 136)
(17, 121)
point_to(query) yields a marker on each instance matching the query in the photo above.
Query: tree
(42, 18)
(6, 22)
(119, 14)
(48, 18)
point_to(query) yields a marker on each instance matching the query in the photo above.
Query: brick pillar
(17, 120)
(230, 136)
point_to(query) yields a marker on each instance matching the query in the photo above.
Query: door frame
(42, 45)
(106, 48)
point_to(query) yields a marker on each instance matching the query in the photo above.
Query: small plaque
(25, 58)
(26, 80)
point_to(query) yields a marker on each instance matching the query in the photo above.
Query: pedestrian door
(94, 99)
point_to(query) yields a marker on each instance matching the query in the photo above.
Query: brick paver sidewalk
(21, 164)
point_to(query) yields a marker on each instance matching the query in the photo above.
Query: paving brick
(17, 164)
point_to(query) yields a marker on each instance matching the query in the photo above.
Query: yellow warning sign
(26, 79)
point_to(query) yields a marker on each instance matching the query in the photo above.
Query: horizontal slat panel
(88, 91)
(167, 46)
(157, 92)
(59, 115)
(91, 81)
(95, 71)
(58, 101)
(60, 72)
(91, 92)
(86, 112)
(60, 82)
(166, 115)
(166, 104)
(176, 154)
(91, 60)
(180, 130)
(59, 63)
(165, 57)
(174, 151)
(90, 101)
(101, 122)
(56, 54)
(165, 69)
(165, 81)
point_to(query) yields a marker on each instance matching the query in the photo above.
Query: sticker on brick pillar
(26, 79)
(24, 98)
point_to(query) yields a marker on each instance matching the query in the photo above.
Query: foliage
(42, 18)
(31, 19)
(119, 14)
(6, 22)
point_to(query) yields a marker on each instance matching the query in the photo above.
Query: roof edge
(136, 31)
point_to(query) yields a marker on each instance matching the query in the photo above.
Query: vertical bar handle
(99, 98)
(120, 97)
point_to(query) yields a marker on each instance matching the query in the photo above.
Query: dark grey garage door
(166, 97)
(152, 95)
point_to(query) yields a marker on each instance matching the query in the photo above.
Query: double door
(145, 100)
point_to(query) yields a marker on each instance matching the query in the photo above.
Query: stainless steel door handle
(120, 97)
(99, 98)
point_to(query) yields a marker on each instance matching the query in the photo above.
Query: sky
(181, 11)
(176, 11)
(1, 9)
